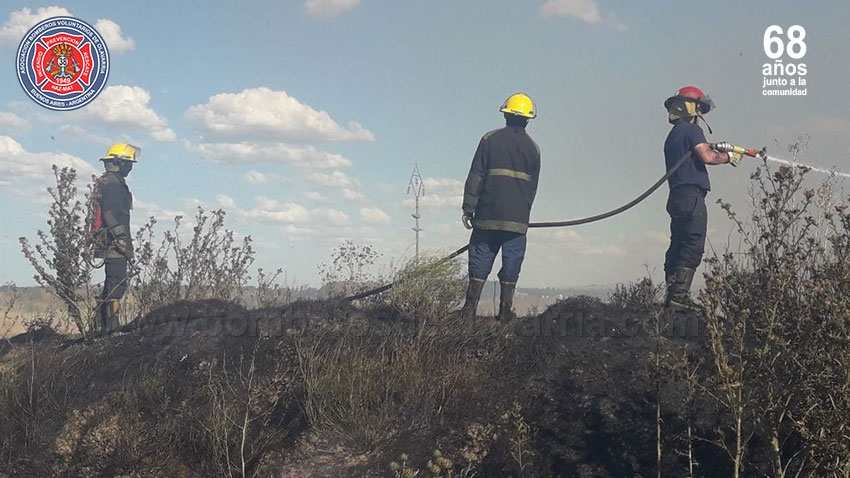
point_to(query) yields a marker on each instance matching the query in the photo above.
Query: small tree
(62, 257)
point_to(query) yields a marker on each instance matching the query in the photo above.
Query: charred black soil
(322, 389)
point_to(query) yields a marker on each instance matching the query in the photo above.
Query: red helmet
(691, 93)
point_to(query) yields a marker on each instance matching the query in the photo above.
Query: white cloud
(192, 203)
(255, 177)
(585, 10)
(315, 196)
(559, 235)
(568, 241)
(582, 9)
(143, 210)
(225, 202)
(443, 184)
(268, 210)
(352, 194)
(79, 133)
(437, 201)
(303, 156)
(294, 230)
(12, 122)
(334, 217)
(374, 215)
(127, 106)
(328, 8)
(334, 179)
(440, 193)
(17, 164)
(111, 33)
(165, 135)
(340, 183)
(261, 113)
(22, 20)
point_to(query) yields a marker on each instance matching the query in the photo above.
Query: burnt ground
(572, 392)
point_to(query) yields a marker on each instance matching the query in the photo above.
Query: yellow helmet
(123, 151)
(519, 104)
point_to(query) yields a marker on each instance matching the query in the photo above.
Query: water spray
(830, 172)
(725, 147)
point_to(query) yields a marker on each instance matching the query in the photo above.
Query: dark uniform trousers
(115, 283)
(483, 247)
(688, 223)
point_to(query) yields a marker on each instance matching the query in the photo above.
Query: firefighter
(114, 203)
(688, 188)
(497, 199)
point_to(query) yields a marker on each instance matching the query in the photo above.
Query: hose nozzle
(726, 147)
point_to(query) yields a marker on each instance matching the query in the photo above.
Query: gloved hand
(735, 158)
(122, 246)
(467, 221)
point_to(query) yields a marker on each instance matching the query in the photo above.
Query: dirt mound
(202, 389)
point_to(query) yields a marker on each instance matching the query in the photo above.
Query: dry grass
(375, 384)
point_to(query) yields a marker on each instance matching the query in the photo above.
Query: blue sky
(303, 119)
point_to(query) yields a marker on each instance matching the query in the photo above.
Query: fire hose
(722, 147)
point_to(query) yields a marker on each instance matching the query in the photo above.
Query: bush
(62, 257)
(269, 292)
(212, 265)
(349, 270)
(778, 314)
(427, 287)
(9, 294)
(639, 295)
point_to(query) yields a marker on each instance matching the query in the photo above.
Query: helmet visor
(705, 104)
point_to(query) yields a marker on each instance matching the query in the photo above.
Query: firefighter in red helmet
(688, 188)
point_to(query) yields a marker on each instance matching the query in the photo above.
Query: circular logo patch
(62, 63)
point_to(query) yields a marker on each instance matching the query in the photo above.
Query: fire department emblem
(62, 63)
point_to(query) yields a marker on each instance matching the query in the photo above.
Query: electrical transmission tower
(418, 189)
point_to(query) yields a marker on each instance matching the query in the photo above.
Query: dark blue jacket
(683, 137)
(502, 180)
(116, 201)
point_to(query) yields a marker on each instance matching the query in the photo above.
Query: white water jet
(819, 170)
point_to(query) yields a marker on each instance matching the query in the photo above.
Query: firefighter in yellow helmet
(497, 199)
(114, 202)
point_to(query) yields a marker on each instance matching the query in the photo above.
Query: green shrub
(427, 287)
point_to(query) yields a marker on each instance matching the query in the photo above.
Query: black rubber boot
(669, 280)
(110, 321)
(506, 301)
(98, 326)
(679, 288)
(473, 294)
